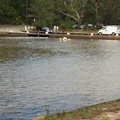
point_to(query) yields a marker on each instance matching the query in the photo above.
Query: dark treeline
(64, 13)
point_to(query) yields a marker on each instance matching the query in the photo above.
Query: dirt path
(13, 28)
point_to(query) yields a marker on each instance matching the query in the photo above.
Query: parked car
(43, 29)
(77, 27)
(110, 30)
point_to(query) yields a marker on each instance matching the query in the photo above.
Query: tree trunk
(79, 23)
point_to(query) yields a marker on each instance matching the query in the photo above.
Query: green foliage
(63, 13)
(66, 24)
(8, 13)
(105, 118)
(43, 12)
(20, 6)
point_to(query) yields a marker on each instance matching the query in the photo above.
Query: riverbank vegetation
(64, 13)
(104, 111)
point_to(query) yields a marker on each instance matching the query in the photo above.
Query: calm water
(40, 74)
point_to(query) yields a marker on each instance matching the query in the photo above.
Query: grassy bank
(104, 111)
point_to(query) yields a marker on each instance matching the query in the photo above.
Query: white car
(110, 30)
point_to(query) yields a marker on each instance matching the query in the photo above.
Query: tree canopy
(64, 13)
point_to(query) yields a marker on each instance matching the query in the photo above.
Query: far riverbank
(60, 35)
(103, 111)
(19, 31)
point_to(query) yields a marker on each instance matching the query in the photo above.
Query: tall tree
(7, 12)
(95, 7)
(59, 12)
(75, 9)
(43, 12)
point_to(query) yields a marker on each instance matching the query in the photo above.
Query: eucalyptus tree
(74, 9)
(60, 12)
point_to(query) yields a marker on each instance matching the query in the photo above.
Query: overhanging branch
(68, 15)
(74, 10)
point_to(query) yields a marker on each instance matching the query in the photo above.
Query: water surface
(37, 75)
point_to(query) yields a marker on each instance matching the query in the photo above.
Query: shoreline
(103, 111)
(71, 35)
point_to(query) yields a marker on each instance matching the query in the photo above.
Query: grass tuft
(95, 112)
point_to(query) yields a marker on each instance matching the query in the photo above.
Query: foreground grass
(104, 111)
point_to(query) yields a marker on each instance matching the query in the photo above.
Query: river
(41, 75)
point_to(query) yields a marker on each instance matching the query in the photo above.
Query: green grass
(88, 113)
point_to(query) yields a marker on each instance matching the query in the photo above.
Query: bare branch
(69, 15)
(78, 16)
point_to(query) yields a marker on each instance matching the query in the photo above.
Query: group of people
(56, 28)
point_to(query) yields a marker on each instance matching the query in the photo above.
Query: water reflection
(36, 74)
(13, 50)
